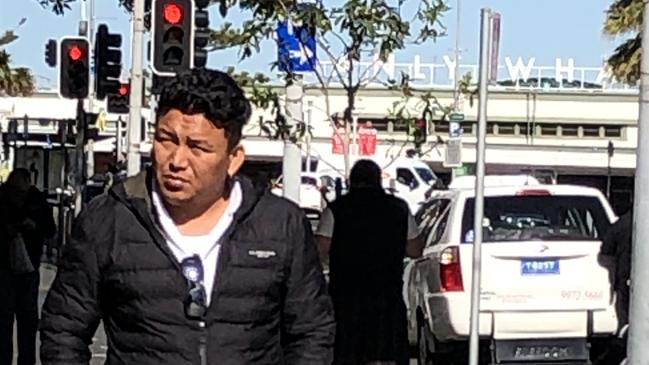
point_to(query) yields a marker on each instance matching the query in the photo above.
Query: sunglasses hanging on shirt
(195, 303)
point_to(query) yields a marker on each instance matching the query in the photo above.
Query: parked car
(545, 298)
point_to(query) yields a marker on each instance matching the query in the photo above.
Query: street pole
(88, 17)
(456, 77)
(309, 113)
(135, 114)
(639, 304)
(118, 142)
(79, 172)
(479, 187)
(292, 160)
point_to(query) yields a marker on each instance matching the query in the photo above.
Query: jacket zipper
(202, 345)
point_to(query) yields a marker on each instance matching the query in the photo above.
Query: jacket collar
(135, 193)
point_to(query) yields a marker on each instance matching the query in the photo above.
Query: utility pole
(118, 141)
(135, 114)
(307, 137)
(456, 76)
(639, 309)
(87, 27)
(292, 159)
(474, 338)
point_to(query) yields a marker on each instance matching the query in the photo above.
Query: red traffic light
(75, 52)
(420, 123)
(123, 89)
(173, 13)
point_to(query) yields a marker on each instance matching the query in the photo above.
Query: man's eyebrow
(166, 132)
(200, 141)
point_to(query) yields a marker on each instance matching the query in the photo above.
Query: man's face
(191, 158)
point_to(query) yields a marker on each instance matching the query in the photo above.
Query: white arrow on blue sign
(296, 47)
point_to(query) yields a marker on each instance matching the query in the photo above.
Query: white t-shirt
(207, 246)
(326, 225)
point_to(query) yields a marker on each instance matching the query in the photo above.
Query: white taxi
(544, 296)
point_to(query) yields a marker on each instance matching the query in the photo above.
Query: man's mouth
(173, 182)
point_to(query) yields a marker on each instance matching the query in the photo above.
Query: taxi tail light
(450, 270)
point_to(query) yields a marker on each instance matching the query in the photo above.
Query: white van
(407, 178)
(410, 179)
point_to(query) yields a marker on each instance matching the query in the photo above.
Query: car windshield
(425, 174)
(526, 218)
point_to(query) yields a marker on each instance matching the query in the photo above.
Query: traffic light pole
(80, 159)
(135, 115)
(88, 18)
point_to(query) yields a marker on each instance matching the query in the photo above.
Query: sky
(544, 29)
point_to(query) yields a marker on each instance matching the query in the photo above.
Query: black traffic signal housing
(74, 67)
(108, 62)
(421, 127)
(200, 32)
(171, 34)
(421, 131)
(50, 53)
(119, 103)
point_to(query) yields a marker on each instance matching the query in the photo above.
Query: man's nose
(179, 159)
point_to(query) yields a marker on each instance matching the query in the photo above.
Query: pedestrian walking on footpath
(188, 262)
(26, 221)
(366, 234)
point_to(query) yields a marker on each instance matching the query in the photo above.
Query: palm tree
(624, 18)
(13, 81)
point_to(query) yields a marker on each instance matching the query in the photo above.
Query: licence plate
(539, 267)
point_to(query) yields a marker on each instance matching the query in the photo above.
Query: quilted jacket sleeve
(71, 313)
(308, 321)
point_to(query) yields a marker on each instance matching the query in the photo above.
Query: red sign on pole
(337, 142)
(366, 139)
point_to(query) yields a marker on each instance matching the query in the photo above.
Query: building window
(570, 130)
(506, 129)
(613, 131)
(441, 127)
(548, 129)
(591, 131)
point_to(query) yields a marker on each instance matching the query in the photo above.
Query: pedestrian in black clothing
(366, 234)
(26, 221)
(617, 244)
(187, 263)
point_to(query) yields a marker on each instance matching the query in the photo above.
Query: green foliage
(349, 31)
(404, 114)
(624, 17)
(13, 81)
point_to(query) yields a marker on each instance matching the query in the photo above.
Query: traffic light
(421, 131)
(108, 62)
(50, 53)
(171, 33)
(119, 103)
(201, 32)
(74, 67)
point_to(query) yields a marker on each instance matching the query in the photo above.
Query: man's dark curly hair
(212, 93)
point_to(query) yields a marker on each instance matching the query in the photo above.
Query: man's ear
(237, 157)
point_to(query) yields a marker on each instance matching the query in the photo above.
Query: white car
(544, 296)
(310, 193)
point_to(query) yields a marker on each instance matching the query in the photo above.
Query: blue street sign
(296, 47)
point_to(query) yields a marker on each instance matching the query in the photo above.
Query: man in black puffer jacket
(188, 263)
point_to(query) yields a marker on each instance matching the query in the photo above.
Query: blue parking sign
(296, 47)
